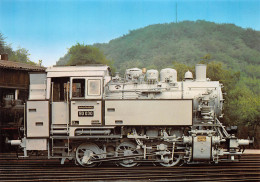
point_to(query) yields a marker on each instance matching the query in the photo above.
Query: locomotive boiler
(82, 113)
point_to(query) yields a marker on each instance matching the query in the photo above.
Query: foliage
(19, 55)
(182, 69)
(84, 54)
(63, 60)
(185, 42)
(188, 42)
(243, 106)
(216, 72)
(81, 54)
(2, 44)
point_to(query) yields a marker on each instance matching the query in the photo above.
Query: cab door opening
(60, 105)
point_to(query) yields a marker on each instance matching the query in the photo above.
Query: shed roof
(20, 66)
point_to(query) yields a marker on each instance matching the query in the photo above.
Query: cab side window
(94, 87)
(78, 88)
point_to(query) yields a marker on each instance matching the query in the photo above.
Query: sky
(48, 28)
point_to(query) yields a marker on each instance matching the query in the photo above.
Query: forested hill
(232, 55)
(158, 46)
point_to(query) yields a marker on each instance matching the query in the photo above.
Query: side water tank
(168, 75)
(152, 75)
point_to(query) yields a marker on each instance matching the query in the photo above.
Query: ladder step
(58, 146)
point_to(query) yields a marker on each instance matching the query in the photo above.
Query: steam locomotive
(82, 113)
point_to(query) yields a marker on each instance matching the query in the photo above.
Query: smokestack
(200, 70)
(4, 57)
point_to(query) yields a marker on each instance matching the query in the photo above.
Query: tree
(20, 55)
(63, 60)
(2, 44)
(205, 59)
(81, 54)
(244, 106)
(182, 69)
(243, 109)
(216, 72)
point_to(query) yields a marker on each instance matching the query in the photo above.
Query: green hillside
(158, 46)
(232, 55)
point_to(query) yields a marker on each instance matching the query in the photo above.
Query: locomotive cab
(76, 97)
(62, 100)
(76, 100)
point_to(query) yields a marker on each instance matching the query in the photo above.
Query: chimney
(200, 71)
(4, 57)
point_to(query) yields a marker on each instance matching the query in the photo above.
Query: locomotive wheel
(127, 149)
(87, 152)
(168, 162)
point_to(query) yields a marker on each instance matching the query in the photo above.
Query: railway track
(39, 169)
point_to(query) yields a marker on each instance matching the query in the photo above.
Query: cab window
(94, 87)
(78, 88)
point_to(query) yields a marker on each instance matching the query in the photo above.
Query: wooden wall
(14, 79)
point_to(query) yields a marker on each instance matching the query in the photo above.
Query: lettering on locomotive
(85, 113)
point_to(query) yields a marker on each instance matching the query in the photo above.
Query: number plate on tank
(201, 139)
(85, 113)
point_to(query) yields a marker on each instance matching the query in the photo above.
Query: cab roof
(78, 71)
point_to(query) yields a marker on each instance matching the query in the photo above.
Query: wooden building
(14, 77)
(14, 89)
